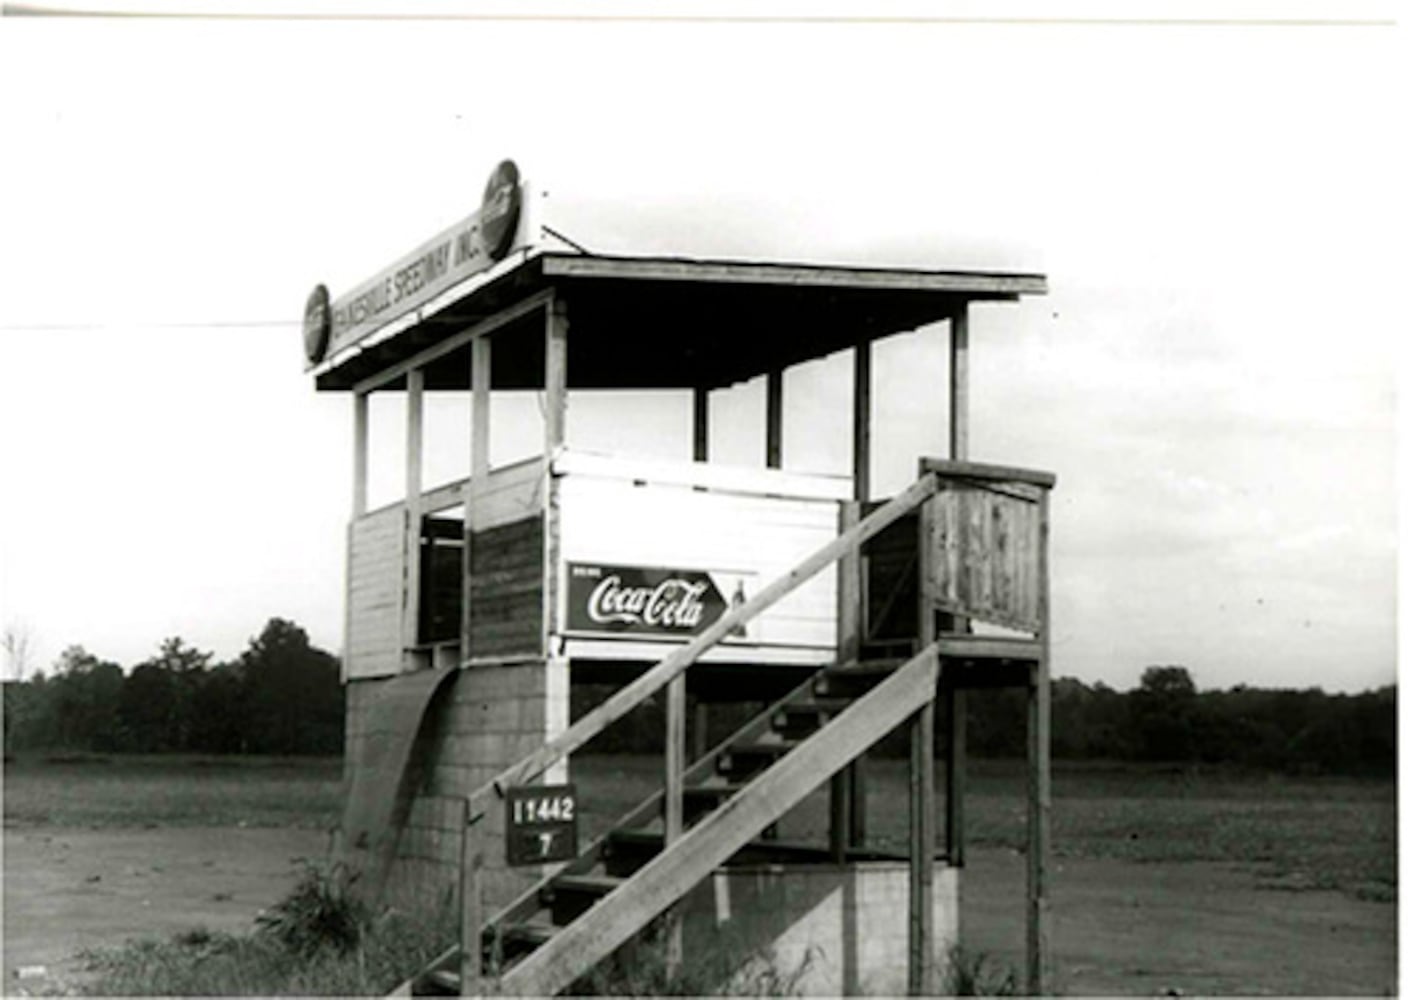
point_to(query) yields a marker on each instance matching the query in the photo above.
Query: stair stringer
(622, 914)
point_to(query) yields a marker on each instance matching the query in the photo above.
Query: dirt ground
(1117, 927)
(69, 889)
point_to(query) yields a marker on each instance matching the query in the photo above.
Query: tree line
(282, 695)
(1166, 719)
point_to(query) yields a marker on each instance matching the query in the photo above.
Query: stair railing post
(922, 807)
(674, 804)
(846, 829)
(471, 905)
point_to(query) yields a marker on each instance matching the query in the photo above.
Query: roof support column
(410, 602)
(774, 419)
(955, 708)
(848, 789)
(701, 423)
(480, 380)
(361, 407)
(554, 437)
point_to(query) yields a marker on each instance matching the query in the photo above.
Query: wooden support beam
(921, 852)
(554, 438)
(1039, 779)
(955, 702)
(860, 480)
(701, 424)
(481, 368)
(774, 419)
(922, 807)
(674, 802)
(471, 905)
(860, 422)
(848, 814)
(360, 426)
(410, 596)
(958, 383)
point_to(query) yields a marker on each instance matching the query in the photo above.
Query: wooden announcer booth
(474, 606)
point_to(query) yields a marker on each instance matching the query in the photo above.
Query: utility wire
(231, 324)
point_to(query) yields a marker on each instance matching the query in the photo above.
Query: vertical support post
(554, 437)
(674, 801)
(922, 807)
(410, 598)
(701, 424)
(860, 422)
(481, 379)
(774, 419)
(360, 424)
(471, 905)
(954, 701)
(1039, 774)
(360, 408)
(848, 641)
(860, 479)
(921, 852)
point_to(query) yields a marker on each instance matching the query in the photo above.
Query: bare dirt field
(1159, 883)
(71, 889)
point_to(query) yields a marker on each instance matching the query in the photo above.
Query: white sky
(1218, 208)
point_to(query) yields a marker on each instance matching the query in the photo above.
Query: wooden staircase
(561, 927)
(723, 808)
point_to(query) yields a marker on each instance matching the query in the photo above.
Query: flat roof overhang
(671, 323)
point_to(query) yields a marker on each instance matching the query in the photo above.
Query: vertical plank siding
(984, 545)
(374, 574)
(506, 588)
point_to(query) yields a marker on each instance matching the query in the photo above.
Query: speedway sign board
(642, 600)
(471, 245)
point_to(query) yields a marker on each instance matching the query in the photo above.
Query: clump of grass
(321, 912)
(317, 941)
(721, 964)
(977, 974)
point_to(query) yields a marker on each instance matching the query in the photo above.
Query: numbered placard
(542, 824)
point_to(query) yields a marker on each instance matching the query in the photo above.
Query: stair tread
(586, 883)
(988, 647)
(529, 932)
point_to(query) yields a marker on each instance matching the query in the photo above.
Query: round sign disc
(498, 215)
(317, 324)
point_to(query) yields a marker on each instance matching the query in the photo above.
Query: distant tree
(1162, 714)
(295, 698)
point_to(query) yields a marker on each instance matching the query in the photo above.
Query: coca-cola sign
(647, 600)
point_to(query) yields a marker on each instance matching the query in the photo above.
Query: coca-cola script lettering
(639, 599)
(670, 603)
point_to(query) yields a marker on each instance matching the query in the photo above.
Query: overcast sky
(1212, 377)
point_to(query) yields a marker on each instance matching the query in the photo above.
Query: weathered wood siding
(506, 589)
(375, 570)
(984, 545)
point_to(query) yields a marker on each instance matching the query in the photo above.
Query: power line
(230, 324)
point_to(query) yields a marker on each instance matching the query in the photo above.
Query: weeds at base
(318, 941)
(725, 964)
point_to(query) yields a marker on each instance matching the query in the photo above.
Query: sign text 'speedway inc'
(643, 600)
(470, 245)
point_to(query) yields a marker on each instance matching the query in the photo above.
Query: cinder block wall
(490, 718)
(815, 930)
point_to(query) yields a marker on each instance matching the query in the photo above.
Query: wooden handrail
(591, 724)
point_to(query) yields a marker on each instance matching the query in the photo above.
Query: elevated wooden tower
(474, 605)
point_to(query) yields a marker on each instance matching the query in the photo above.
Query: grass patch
(317, 941)
(1302, 832)
(121, 791)
(723, 964)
